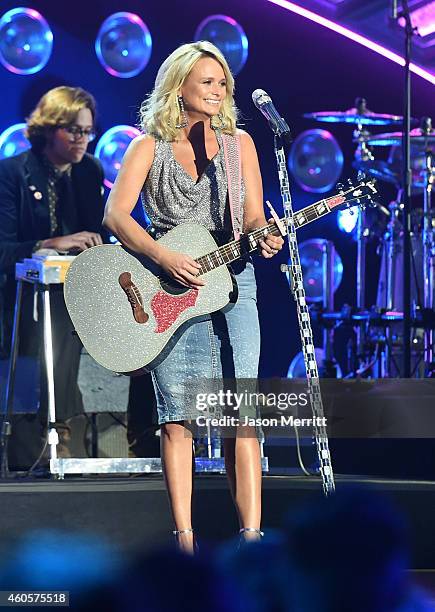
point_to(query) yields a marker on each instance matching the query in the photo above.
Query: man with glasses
(51, 197)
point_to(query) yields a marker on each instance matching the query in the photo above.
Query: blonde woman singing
(179, 168)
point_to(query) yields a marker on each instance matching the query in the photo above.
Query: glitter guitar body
(127, 311)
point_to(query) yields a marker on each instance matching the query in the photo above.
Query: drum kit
(378, 328)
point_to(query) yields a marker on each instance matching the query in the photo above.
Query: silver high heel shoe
(243, 541)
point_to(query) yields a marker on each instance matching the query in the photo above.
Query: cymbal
(395, 138)
(355, 116)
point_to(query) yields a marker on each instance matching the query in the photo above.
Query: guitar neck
(249, 242)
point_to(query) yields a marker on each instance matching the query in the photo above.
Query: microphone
(265, 105)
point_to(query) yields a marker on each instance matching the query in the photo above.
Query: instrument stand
(360, 134)
(328, 256)
(362, 153)
(53, 438)
(428, 248)
(298, 291)
(10, 383)
(391, 238)
(362, 235)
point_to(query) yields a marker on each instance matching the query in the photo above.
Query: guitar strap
(233, 166)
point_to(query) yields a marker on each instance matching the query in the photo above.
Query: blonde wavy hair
(58, 107)
(160, 111)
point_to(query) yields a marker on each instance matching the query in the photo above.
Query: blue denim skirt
(220, 345)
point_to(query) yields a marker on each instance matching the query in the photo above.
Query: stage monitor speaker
(111, 433)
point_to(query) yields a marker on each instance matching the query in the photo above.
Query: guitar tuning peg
(340, 186)
(349, 181)
(361, 175)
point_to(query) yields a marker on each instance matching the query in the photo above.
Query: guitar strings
(233, 250)
(227, 251)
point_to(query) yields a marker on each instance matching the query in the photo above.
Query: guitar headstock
(350, 195)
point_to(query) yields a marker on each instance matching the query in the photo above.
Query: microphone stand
(298, 291)
(406, 144)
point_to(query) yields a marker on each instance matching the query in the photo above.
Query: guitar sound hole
(171, 286)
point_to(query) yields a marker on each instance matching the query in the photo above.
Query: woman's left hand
(271, 244)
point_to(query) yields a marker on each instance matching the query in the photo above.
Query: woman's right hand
(181, 267)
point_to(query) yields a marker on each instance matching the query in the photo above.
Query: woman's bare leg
(177, 452)
(243, 468)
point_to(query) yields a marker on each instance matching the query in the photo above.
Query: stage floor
(132, 513)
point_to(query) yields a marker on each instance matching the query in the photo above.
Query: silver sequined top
(170, 196)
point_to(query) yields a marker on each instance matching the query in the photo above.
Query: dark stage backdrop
(302, 65)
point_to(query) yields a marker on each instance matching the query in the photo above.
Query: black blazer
(24, 219)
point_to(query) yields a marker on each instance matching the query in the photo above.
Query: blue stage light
(13, 141)
(347, 219)
(228, 36)
(111, 148)
(26, 41)
(123, 45)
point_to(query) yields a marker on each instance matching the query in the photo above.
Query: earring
(221, 122)
(183, 123)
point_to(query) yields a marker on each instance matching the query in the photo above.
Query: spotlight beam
(362, 40)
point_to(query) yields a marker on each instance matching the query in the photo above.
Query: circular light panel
(123, 45)
(13, 141)
(110, 150)
(228, 36)
(316, 161)
(311, 256)
(26, 41)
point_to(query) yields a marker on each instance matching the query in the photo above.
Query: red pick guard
(167, 308)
